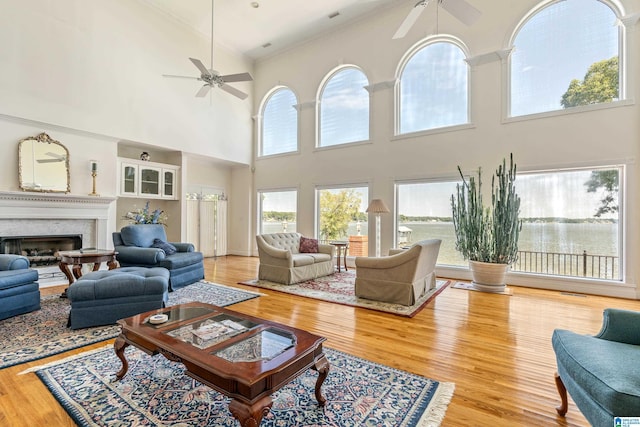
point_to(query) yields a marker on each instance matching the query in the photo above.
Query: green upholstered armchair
(601, 372)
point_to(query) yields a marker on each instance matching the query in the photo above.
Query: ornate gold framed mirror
(43, 165)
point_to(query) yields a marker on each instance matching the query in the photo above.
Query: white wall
(97, 66)
(588, 138)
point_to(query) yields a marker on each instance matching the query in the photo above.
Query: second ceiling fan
(212, 78)
(460, 9)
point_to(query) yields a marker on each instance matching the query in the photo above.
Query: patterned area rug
(156, 392)
(340, 288)
(44, 332)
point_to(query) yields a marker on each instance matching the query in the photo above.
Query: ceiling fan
(212, 78)
(460, 9)
(55, 158)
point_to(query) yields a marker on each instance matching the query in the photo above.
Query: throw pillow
(309, 246)
(167, 247)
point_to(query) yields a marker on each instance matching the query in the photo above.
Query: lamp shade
(377, 206)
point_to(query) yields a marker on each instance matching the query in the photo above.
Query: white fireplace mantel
(16, 205)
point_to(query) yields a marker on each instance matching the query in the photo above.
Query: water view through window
(571, 221)
(278, 211)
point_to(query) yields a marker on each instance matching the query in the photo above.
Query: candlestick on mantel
(94, 173)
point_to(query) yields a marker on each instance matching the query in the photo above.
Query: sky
(551, 194)
(555, 46)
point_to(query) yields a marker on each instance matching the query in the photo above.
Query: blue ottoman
(19, 289)
(103, 297)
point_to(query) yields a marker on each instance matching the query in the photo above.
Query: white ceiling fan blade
(200, 66)
(411, 19)
(54, 155)
(462, 11)
(241, 77)
(173, 76)
(233, 91)
(204, 90)
(49, 160)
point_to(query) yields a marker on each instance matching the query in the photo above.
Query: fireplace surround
(31, 215)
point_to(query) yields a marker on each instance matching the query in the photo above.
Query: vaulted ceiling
(258, 28)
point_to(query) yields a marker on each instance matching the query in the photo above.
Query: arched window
(433, 88)
(279, 123)
(343, 109)
(566, 54)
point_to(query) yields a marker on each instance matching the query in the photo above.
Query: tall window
(566, 55)
(424, 212)
(433, 88)
(278, 211)
(571, 223)
(344, 108)
(279, 123)
(342, 212)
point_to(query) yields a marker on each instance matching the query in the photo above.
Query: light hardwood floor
(495, 348)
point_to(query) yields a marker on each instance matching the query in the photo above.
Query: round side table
(341, 248)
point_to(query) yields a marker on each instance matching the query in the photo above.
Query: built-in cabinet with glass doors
(146, 179)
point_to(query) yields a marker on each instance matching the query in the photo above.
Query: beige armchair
(282, 262)
(400, 278)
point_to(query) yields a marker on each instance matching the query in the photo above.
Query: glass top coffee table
(242, 357)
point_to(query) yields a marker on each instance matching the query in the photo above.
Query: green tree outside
(607, 180)
(336, 211)
(277, 216)
(600, 84)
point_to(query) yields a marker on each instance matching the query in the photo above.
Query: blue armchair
(144, 245)
(19, 288)
(601, 372)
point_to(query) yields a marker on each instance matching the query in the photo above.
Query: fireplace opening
(40, 250)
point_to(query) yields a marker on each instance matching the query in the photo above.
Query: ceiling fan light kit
(212, 78)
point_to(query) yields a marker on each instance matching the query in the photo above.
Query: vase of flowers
(146, 216)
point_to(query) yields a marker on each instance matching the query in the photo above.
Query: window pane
(571, 223)
(342, 212)
(280, 123)
(278, 211)
(557, 45)
(344, 108)
(424, 212)
(433, 89)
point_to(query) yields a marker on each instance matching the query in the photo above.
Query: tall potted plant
(488, 236)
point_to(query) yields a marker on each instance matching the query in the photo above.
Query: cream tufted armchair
(400, 278)
(281, 260)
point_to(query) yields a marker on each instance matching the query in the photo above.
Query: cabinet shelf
(146, 179)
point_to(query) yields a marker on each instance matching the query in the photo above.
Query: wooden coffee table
(242, 357)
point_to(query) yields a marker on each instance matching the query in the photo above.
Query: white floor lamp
(377, 207)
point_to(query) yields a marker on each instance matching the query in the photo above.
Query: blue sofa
(19, 288)
(103, 297)
(135, 247)
(601, 372)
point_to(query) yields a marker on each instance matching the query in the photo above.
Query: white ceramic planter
(488, 277)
